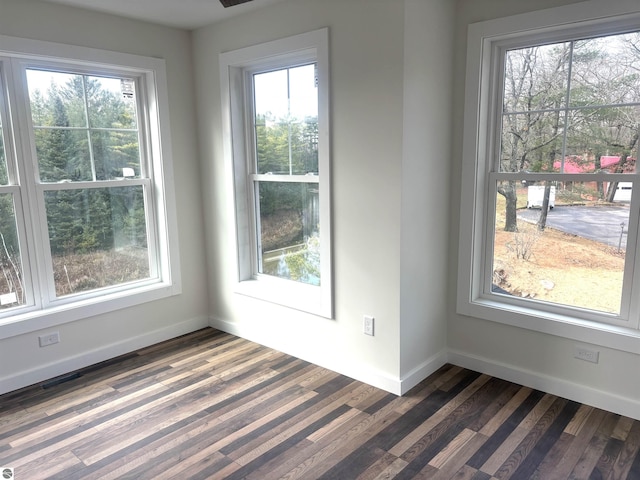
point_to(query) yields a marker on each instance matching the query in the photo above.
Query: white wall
(428, 68)
(536, 359)
(378, 150)
(94, 339)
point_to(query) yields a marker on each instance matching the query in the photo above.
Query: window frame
(45, 309)
(236, 70)
(486, 44)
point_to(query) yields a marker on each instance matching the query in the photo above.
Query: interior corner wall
(524, 356)
(428, 71)
(366, 41)
(98, 338)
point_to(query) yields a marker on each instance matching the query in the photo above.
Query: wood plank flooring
(213, 406)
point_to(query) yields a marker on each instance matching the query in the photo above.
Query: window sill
(35, 320)
(298, 296)
(587, 331)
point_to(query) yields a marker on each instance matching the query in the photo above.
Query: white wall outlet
(368, 325)
(586, 354)
(49, 339)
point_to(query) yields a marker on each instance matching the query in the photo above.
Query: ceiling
(186, 14)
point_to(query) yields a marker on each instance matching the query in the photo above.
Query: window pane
(604, 70)
(12, 292)
(57, 99)
(289, 230)
(536, 78)
(601, 133)
(4, 180)
(303, 92)
(602, 139)
(111, 103)
(286, 121)
(116, 154)
(271, 94)
(576, 259)
(85, 127)
(531, 142)
(98, 237)
(63, 154)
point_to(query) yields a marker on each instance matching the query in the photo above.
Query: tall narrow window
(286, 173)
(281, 169)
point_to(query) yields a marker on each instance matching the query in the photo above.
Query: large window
(277, 115)
(82, 196)
(550, 203)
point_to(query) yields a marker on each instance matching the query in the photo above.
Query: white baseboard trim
(553, 385)
(361, 372)
(418, 374)
(66, 365)
(398, 386)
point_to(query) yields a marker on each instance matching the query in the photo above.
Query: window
(82, 196)
(549, 221)
(276, 95)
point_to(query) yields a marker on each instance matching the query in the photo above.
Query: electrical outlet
(369, 325)
(586, 354)
(49, 339)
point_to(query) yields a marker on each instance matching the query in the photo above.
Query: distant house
(609, 163)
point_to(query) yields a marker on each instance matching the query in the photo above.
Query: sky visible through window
(287, 92)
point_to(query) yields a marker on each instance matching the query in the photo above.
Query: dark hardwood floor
(211, 405)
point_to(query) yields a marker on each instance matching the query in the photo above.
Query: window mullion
(85, 99)
(268, 177)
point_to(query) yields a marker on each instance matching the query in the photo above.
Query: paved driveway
(601, 224)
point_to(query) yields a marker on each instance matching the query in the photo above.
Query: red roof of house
(576, 164)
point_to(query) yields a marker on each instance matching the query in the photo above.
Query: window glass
(569, 109)
(286, 121)
(98, 237)
(12, 290)
(63, 155)
(116, 154)
(566, 105)
(3, 161)
(57, 99)
(286, 139)
(573, 255)
(85, 127)
(289, 224)
(536, 78)
(531, 142)
(604, 70)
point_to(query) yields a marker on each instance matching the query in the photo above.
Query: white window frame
(235, 70)
(45, 310)
(486, 44)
